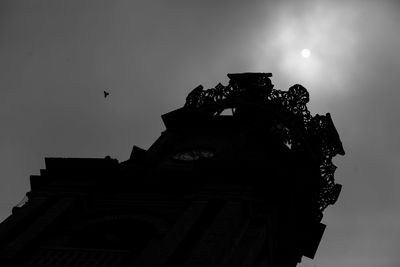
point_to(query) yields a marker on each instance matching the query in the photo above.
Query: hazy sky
(57, 57)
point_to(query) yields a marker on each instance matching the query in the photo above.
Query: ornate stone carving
(300, 130)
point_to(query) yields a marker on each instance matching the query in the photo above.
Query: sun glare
(305, 53)
(315, 47)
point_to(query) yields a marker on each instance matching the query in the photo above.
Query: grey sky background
(57, 57)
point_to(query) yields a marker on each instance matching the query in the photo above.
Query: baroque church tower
(240, 177)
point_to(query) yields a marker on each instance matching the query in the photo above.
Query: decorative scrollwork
(318, 131)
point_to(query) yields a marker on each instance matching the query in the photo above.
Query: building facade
(240, 177)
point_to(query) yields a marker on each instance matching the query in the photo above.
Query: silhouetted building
(240, 177)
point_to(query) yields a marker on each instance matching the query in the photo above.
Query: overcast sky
(57, 57)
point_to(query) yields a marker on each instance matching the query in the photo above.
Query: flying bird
(106, 94)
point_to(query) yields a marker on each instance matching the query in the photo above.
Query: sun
(305, 53)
